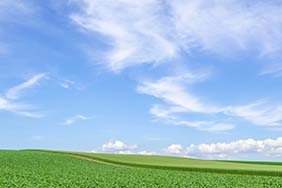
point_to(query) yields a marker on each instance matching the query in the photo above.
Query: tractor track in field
(99, 161)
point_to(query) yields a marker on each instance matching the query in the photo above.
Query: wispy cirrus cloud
(169, 115)
(179, 26)
(126, 24)
(16, 91)
(9, 100)
(70, 84)
(218, 25)
(174, 92)
(67, 84)
(15, 107)
(260, 112)
(76, 118)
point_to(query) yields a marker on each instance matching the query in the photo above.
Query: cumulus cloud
(239, 149)
(9, 101)
(76, 118)
(117, 146)
(120, 147)
(144, 152)
(174, 149)
(230, 150)
(179, 26)
(267, 147)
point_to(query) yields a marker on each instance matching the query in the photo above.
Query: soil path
(98, 161)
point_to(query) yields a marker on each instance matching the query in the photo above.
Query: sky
(186, 78)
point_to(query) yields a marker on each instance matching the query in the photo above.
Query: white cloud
(131, 152)
(174, 149)
(259, 113)
(126, 24)
(274, 69)
(127, 152)
(76, 118)
(206, 125)
(18, 108)
(174, 92)
(15, 92)
(168, 114)
(118, 146)
(70, 84)
(67, 84)
(245, 148)
(146, 153)
(8, 103)
(218, 25)
(179, 26)
(267, 147)
(176, 28)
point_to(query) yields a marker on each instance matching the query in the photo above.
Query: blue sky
(185, 78)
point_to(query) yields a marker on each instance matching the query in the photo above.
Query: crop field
(186, 164)
(33, 169)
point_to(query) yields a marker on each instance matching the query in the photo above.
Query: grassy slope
(254, 162)
(175, 163)
(35, 169)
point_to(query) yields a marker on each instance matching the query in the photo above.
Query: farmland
(34, 169)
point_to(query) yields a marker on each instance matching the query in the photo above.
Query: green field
(33, 169)
(186, 164)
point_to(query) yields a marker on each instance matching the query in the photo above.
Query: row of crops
(32, 169)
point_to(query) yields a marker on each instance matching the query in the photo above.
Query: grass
(36, 169)
(186, 164)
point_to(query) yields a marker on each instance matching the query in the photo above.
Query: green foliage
(35, 169)
(186, 164)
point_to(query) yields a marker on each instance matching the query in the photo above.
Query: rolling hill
(37, 168)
